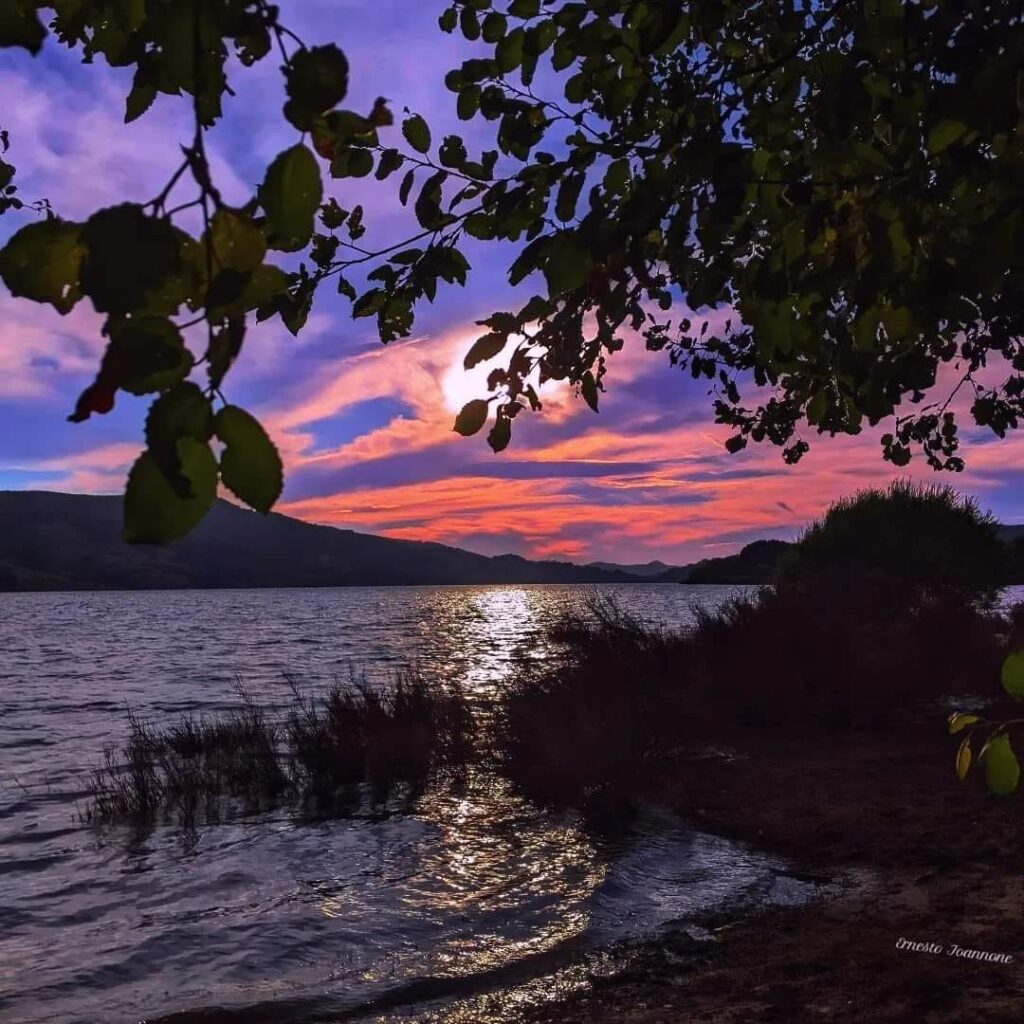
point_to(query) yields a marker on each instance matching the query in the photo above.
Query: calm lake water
(405, 916)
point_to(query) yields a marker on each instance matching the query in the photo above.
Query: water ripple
(344, 918)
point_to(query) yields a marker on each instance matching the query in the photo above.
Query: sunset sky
(366, 430)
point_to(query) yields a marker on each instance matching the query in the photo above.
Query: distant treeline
(756, 563)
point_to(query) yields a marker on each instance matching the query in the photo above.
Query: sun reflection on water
(488, 855)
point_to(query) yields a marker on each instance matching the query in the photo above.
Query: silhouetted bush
(886, 602)
(588, 715)
(330, 754)
(906, 545)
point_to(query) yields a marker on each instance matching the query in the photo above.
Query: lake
(474, 892)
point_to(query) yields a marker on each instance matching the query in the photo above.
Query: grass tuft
(330, 754)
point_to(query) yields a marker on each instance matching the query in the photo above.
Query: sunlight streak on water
(115, 925)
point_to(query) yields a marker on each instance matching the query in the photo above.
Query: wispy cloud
(366, 431)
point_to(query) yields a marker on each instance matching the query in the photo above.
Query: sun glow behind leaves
(459, 385)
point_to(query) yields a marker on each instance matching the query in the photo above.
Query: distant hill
(756, 563)
(644, 570)
(53, 541)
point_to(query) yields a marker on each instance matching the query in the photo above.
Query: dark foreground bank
(917, 857)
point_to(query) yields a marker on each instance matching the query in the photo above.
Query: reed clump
(354, 747)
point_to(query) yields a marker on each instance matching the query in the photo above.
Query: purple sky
(366, 430)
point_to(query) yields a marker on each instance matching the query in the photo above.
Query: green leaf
(472, 417)
(959, 721)
(250, 465)
(448, 20)
(20, 25)
(487, 347)
(184, 411)
(416, 133)
(238, 244)
(145, 354)
(589, 389)
(898, 322)
(944, 134)
(224, 347)
(509, 51)
(316, 79)
(290, 196)
(262, 286)
(1002, 770)
(865, 329)
(1013, 675)
(41, 262)
(567, 267)
(524, 8)
(568, 196)
(468, 102)
(154, 512)
(963, 759)
(494, 26)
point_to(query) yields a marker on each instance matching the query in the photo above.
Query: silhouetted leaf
(140, 99)
(416, 133)
(250, 464)
(500, 434)
(238, 243)
(567, 266)
(487, 347)
(290, 195)
(20, 25)
(316, 80)
(129, 256)
(225, 345)
(472, 417)
(42, 262)
(184, 411)
(154, 512)
(145, 354)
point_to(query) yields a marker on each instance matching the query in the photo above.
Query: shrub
(886, 602)
(585, 719)
(902, 547)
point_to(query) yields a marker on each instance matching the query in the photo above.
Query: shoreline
(902, 850)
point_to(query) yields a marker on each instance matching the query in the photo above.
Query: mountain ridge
(51, 540)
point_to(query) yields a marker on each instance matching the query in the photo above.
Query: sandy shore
(918, 856)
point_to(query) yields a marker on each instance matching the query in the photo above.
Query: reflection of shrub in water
(841, 641)
(330, 753)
